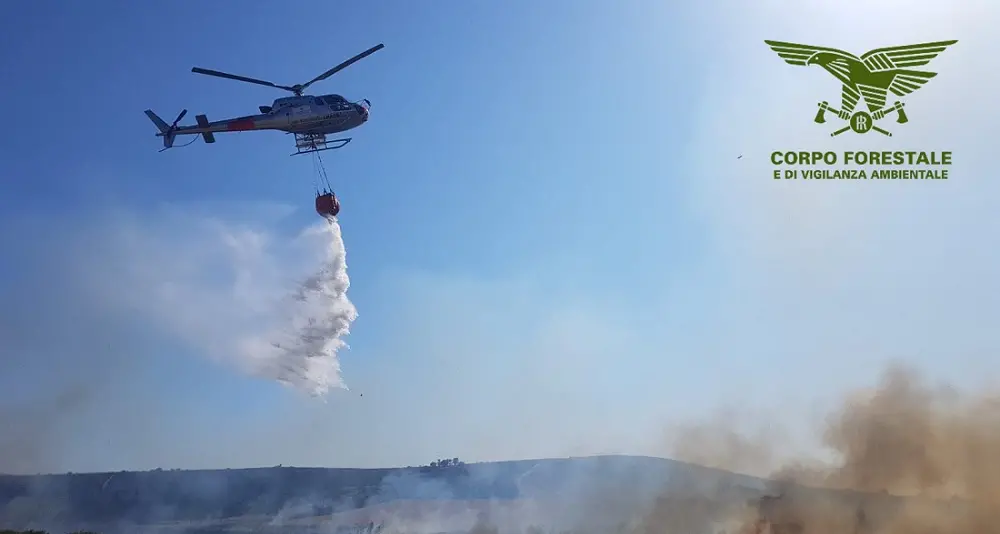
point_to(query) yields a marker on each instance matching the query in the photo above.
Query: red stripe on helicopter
(240, 125)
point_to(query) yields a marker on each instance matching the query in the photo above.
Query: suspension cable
(315, 175)
(322, 173)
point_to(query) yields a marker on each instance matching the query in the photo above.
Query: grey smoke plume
(303, 351)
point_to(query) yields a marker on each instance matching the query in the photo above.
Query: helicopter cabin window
(319, 101)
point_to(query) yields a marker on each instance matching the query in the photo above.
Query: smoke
(302, 350)
(911, 438)
(907, 457)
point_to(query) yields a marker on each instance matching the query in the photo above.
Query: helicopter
(309, 118)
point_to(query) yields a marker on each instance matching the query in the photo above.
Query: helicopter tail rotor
(166, 131)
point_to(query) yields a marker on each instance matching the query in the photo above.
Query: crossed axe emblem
(861, 121)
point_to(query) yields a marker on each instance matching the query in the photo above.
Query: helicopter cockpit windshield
(336, 102)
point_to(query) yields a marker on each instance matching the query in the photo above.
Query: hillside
(157, 497)
(597, 490)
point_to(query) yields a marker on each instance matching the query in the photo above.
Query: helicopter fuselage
(310, 118)
(298, 114)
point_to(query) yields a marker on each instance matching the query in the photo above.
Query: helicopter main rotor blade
(220, 74)
(344, 65)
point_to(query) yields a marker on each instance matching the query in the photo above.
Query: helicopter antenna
(297, 89)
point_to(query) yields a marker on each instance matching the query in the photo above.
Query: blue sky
(553, 248)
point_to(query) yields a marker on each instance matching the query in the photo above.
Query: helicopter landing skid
(307, 143)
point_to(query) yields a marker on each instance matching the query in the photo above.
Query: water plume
(315, 318)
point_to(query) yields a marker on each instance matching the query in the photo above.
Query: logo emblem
(870, 77)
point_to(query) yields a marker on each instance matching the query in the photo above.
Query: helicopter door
(300, 114)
